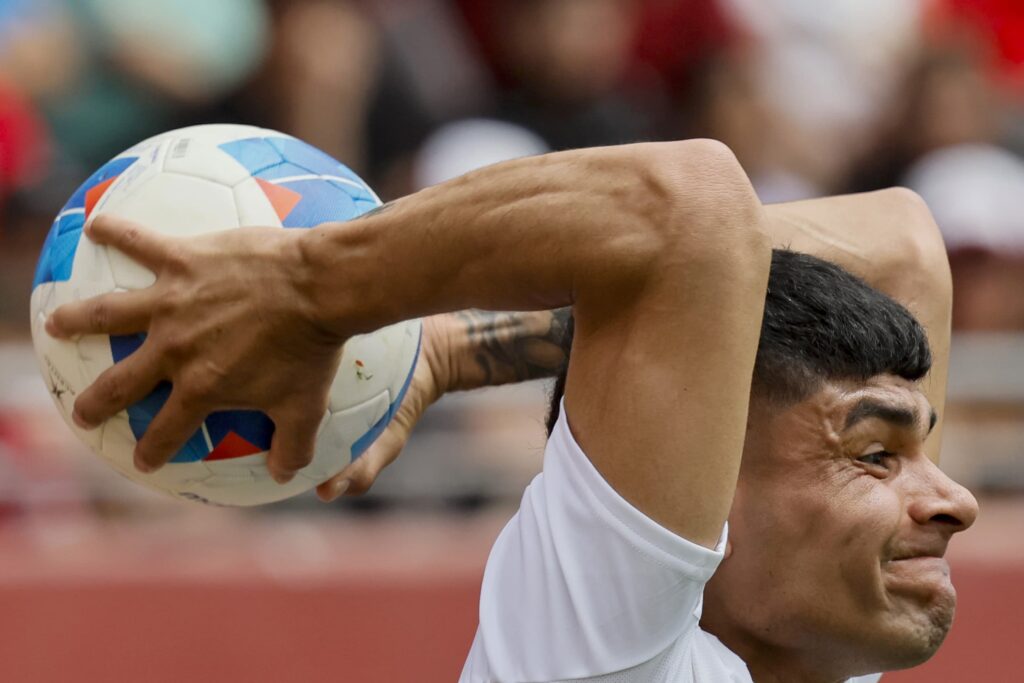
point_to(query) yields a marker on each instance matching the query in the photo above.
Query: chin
(915, 638)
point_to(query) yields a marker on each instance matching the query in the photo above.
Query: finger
(148, 247)
(113, 313)
(294, 439)
(118, 387)
(175, 424)
(361, 473)
(334, 487)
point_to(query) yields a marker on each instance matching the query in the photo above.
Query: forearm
(487, 348)
(885, 237)
(530, 234)
(889, 239)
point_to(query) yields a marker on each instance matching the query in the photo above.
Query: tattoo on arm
(513, 347)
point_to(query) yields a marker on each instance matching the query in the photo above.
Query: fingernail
(339, 488)
(80, 421)
(51, 328)
(282, 477)
(143, 466)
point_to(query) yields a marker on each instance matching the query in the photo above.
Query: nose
(941, 501)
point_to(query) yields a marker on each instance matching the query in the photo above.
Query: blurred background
(102, 581)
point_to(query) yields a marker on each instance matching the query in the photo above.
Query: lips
(924, 576)
(919, 563)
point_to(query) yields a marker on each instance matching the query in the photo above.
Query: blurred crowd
(815, 98)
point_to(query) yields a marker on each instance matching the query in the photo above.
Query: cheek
(837, 526)
(770, 526)
(868, 512)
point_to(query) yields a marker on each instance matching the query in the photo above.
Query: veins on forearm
(513, 347)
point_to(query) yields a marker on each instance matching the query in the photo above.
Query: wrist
(487, 348)
(439, 351)
(334, 273)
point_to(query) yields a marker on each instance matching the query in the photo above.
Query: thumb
(361, 473)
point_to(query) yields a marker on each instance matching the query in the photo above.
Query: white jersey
(582, 586)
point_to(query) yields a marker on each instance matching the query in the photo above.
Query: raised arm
(659, 248)
(889, 239)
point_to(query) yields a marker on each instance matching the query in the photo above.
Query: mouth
(918, 563)
(920, 574)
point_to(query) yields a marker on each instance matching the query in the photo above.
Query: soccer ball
(186, 182)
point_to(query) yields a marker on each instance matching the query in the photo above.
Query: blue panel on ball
(124, 345)
(282, 170)
(255, 154)
(44, 268)
(253, 426)
(364, 204)
(62, 241)
(65, 243)
(279, 157)
(312, 159)
(362, 443)
(322, 202)
(111, 169)
(142, 413)
(330, 190)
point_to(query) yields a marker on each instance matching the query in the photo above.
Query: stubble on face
(879, 616)
(922, 606)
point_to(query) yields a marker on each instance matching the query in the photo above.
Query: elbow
(711, 212)
(921, 254)
(669, 204)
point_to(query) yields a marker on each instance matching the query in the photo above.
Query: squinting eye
(878, 458)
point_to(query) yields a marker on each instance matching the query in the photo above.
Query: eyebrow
(897, 415)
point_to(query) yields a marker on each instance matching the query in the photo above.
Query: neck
(770, 663)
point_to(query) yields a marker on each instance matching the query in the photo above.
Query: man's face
(837, 533)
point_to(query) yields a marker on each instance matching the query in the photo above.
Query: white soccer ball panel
(59, 362)
(408, 349)
(209, 133)
(147, 145)
(173, 204)
(334, 444)
(368, 364)
(148, 163)
(216, 134)
(117, 447)
(198, 158)
(241, 490)
(91, 272)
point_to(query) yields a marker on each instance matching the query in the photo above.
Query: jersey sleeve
(580, 583)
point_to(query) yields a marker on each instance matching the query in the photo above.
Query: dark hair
(821, 323)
